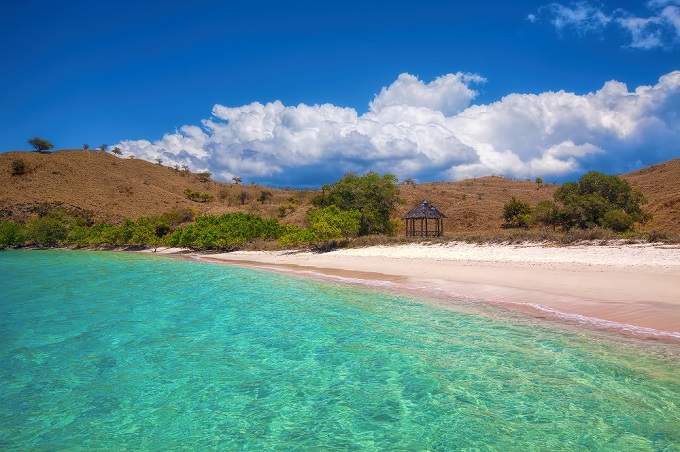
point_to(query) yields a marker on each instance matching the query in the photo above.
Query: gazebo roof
(424, 210)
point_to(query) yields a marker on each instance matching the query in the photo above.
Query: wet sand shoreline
(636, 285)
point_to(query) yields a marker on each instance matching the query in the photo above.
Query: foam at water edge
(532, 309)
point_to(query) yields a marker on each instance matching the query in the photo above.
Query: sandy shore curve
(636, 285)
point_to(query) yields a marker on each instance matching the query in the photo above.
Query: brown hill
(113, 188)
(474, 204)
(661, 186)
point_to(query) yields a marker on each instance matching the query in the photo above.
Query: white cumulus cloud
(447, 94)
(430, 131)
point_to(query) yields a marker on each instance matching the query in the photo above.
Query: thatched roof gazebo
(424, 212)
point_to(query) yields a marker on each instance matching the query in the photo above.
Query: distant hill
(113, 188)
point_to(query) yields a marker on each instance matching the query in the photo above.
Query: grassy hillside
(113, 188)
(473, 204)
(661, 185)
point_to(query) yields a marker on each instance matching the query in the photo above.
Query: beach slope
(636, 285)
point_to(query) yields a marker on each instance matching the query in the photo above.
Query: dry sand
(636, 285)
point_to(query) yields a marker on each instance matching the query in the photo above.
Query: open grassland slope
(114, 188)
(661, 186)
(474, 204)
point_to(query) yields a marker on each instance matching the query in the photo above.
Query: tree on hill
(40, 145)
(103, 147)
(539, 182)
(546, 213)
(600, 200)
(116, 151)
(243, 196)
(374, 196)
(517, 213)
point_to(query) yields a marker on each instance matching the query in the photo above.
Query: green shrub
(595, 200)
(332, 223)
(11, 234)
(265, 195)
(517, 213)
(293, 235)
(18, 167)
(177, 217)
(226, 231)
(78, 236)
(197, 197)
(546, 213)
(617, 220)
(105, 234)
(50, 230)
(374, 196)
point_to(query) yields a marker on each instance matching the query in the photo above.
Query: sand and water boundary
(630, 288)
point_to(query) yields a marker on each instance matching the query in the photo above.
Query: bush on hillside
(196, 196)
(595, 201)
(18, 167)
(265, 195)
(600, 200)
(203, 176)
(517, 213)
(373, 196)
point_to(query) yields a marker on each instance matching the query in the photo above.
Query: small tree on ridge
(40, 145)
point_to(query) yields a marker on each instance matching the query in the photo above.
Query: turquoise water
(112, 351)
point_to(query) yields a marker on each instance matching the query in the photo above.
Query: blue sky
(300, 92)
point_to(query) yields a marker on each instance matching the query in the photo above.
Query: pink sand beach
(636, 285)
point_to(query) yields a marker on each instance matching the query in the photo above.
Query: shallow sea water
(112, 351)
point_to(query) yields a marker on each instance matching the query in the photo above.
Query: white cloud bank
(658, 30)
(429, 131)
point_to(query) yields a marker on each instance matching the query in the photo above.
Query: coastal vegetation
(225, 232)
(365, 204)
(597, 200)
(372, 195)
(95, 199)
